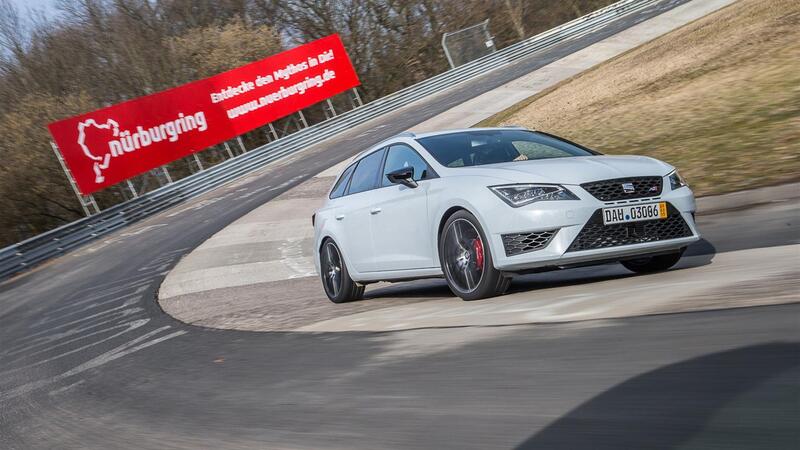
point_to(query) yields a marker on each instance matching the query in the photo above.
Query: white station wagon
(478, 206)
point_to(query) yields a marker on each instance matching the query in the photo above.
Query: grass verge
(718, 98)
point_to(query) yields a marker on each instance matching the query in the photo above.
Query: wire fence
(468, 44)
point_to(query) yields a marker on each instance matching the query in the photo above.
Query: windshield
(475, 148)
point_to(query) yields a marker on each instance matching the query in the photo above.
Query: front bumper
(568, 218)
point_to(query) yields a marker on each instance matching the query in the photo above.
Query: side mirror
(404, 176)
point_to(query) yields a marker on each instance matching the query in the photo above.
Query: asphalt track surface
(88, 360)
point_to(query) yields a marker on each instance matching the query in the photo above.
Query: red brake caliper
(478, 245)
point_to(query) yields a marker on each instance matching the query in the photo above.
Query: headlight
(517, 195)
(676, 180)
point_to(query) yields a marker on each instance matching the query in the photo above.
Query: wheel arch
(356, 276)
(442, 221)
(452, 210)
(461, 206)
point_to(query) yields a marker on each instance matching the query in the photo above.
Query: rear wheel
(339, 287)
(467, 260)
(652, 264)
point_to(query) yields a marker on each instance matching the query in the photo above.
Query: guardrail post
(83, 200)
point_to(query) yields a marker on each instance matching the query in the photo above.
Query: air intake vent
(518, 243)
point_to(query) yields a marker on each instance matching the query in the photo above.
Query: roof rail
(515, 126)
(410, 134)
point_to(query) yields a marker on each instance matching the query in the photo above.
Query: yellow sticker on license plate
(635, 213)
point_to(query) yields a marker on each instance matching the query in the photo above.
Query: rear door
(400, 231)
(355, 213)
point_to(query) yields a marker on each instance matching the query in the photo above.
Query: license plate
(634, 213)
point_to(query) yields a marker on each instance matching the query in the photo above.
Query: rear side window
(365, 176)
(338, 190)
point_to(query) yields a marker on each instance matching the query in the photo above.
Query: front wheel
(467, 260)
(652, 264)
(339, 287)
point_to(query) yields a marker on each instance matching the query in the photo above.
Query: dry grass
(719, 98)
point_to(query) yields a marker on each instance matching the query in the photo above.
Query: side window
(338, 190)
(365, 176)
(401, 156)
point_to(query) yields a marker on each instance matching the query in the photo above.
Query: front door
(400, 232)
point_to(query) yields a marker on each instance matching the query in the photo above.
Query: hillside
(719, 98)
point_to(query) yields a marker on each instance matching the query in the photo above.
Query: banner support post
(273, 131)
(85, 201)
(228, 149)
(197, 161)
(356, 99)
(93, 203)
(302, 118)
(166, 174)
(241, 144)
(132, 188)
(330, 106)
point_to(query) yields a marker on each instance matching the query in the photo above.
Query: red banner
(113, 144)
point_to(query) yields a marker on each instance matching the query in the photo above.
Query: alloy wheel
(464, 258)
(332, 269)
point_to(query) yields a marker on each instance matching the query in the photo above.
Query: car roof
(466, 130)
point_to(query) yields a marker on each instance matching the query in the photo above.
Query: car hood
(572, 170)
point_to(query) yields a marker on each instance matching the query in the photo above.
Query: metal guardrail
(20, 256)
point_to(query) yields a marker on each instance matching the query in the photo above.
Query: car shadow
(702, 247)
(698, 254)
(424, 289)
(742, 398)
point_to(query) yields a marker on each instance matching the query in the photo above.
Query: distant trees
(98, 52)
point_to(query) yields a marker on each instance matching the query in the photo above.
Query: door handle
(374, 211)
(340, 217)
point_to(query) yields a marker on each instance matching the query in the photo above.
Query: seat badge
(628, 188)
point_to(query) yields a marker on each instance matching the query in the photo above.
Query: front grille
(518, 243)
(595, 235)
(613, 190)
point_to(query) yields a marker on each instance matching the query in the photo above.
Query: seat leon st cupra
(478, 206)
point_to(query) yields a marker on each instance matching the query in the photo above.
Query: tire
(336, 281)
(466, 259)
(651, 264)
